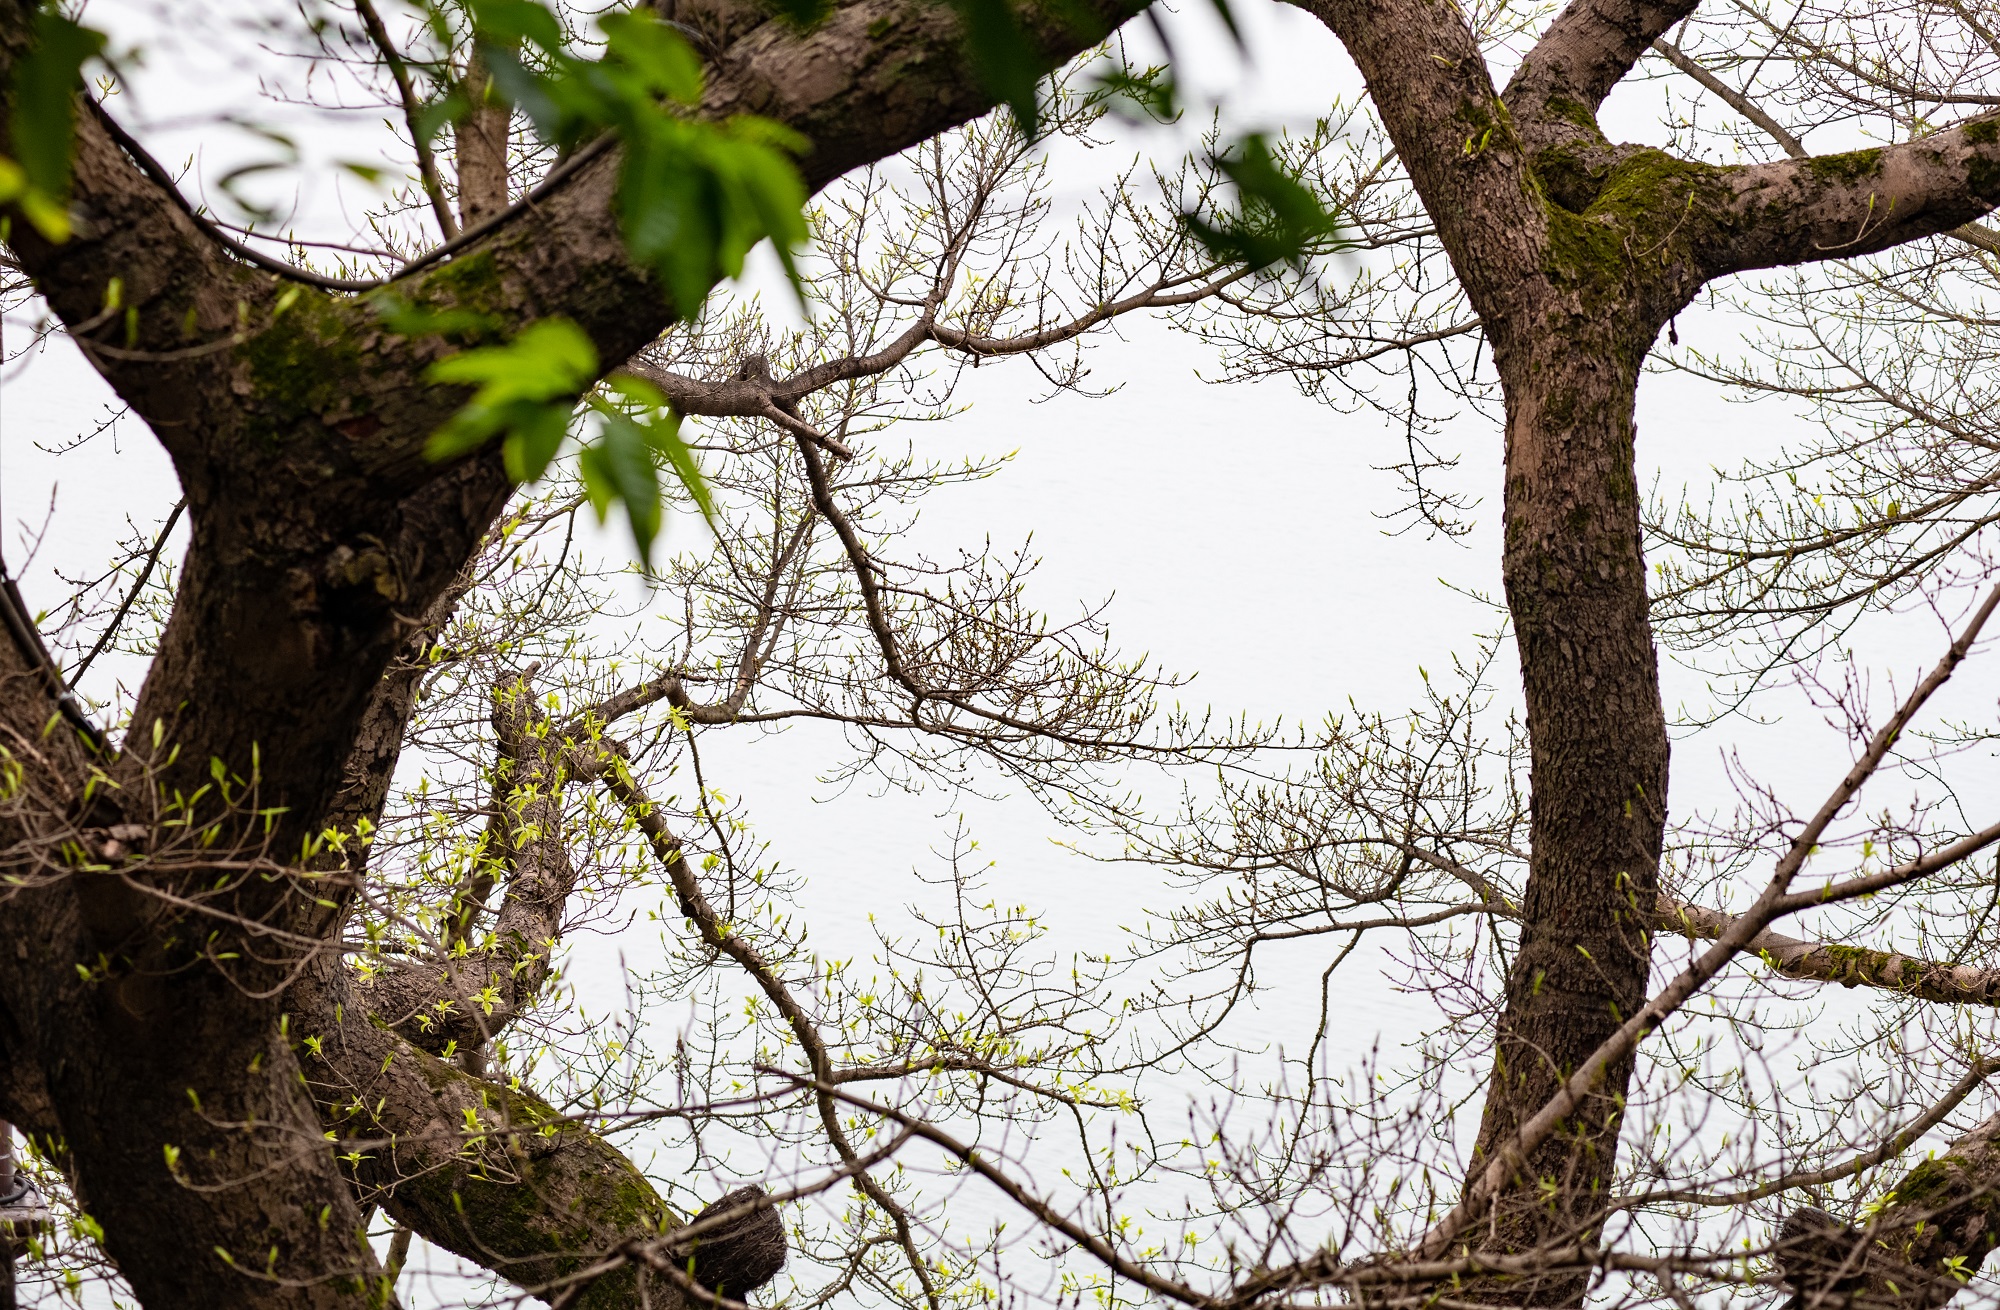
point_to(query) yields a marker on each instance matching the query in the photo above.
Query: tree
(161, 1050)
(181, 893)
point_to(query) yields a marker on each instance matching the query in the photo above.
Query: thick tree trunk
(1576, 587)
(182, 1111)
(320, 534)
(175, 1083)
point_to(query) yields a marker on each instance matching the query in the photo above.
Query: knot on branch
(1827, 1263)
(1820, 1258)
(121, 840)
(755, 369)
(745, 1252)
(366, 566)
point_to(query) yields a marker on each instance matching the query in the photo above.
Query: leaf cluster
(526, 392)
(693, 196)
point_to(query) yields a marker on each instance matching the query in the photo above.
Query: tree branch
(1776, 899)
(484, 1170)
(1918, 1250)
(1455, 137)
(604, 761)
(131, 596)
(1582, 55)
(1850, 966)
(321, 538)
(1972, 234)
(451, 1000)
(1801, 211)
(427, 171)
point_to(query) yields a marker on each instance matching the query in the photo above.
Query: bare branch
(426, 162)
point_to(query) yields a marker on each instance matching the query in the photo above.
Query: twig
(1972, 234)
(1513, 1153)
(426, 162)
(606, 764)
(1894, 1145)
(138, 585)
(152, 168)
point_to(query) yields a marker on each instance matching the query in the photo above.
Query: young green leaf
(619, 467)
(693, 197)
(1145, 95)
(643, 403)
(1278, 219)
(43, 123)
(517, 22)
(408, 320)
(46, 81)
(1003, 58)
(657, 53)
(526, 389)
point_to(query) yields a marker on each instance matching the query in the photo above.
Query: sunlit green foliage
(527, 391)
(693, 196)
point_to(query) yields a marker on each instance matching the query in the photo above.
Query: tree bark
(1575, 252)
(527, 1193)
(1576, 588)
(1568, 332)
(481, 139)
(152, 1005)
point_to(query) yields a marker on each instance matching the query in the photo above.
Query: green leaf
(550, 357)
(641, 42)
(1002, 58)
(1147, 95)
(434, 117)
(526, 388)
(517, 85)
(621, 461)
(1278, 218)
(535, 432)
(516, 22)
(643, 404)
(46, 81)
(693, 197)
(667, 440)
(408, 320)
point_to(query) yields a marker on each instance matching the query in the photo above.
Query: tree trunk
(1576, 587)
(173, 1083)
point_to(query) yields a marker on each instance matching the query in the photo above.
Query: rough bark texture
(1576, 587)
(527, 1194)
(744, 1254)
(164, 1037)
(463, 1000)
(1835, 962)
(480, 140)
(163, 1034)
(1575, 252)
(1914, 1254)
